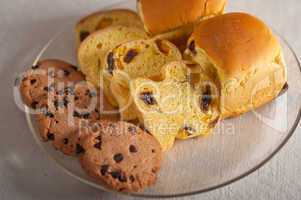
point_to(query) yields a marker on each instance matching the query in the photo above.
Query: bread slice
(92, 51)
(176, 106)
(104, 19)
(140, 58)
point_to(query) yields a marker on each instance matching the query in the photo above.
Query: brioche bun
(246, 57)
(163, 16)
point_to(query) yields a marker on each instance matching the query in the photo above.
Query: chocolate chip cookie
(121, 155)
(69, 110)
(45, 77)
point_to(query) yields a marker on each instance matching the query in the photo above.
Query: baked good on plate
(174, 20)
(92, 52)
(244, 55)
(36, 82)
(65, 114)
(62, 101)
(163, 16)
(104, 19)
(120, 155)
(178, 106)
(134, 59)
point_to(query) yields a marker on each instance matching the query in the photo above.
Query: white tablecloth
(25, 170)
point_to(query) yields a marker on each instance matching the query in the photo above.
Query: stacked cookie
(174, 73)
(71, 114)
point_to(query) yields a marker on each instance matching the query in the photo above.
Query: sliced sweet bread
(179, 106)
(104, 19)
(139, 58)
(92, 51)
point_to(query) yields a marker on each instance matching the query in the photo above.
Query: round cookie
(64, 114)
(44, 77)
(104, 19)
(121, 155)
(134, 59)
(92, 51)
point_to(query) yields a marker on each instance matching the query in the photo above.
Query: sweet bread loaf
(178, 106)
(163, 16)
(92, 51)
(174, 20)
(246, 57)
(139, 58)
(104, 19)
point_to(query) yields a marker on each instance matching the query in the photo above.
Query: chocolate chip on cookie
(64, 126)
(43, 78)
(79, 149)
(133, 149)
(119, 164)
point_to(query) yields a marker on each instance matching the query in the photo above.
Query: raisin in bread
(178, 106)
(140, 58)
(104, 19)
(245, 56)
(92, 51)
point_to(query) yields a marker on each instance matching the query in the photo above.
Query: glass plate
(237, 147)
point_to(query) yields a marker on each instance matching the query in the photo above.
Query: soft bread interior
(92, 53)
(244, 56)
(134, 59)
(245, 91)
(176, 107)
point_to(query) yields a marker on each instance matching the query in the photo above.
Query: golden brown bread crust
(103, 12)
(236, 41)
(246, 57)
(104, 19)
(92, 52)
(162, 16)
